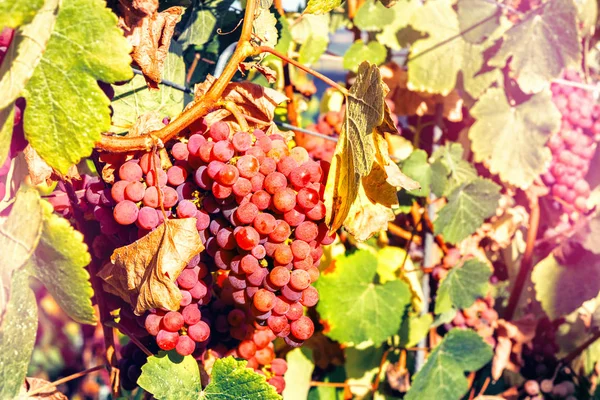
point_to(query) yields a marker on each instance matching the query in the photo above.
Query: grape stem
(54, 384)
(120, 144)
(237, 113)
(526, 261)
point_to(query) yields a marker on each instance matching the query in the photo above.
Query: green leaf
(373, 312)
(544, 43)
(449, 169)
(133, 99)
(25, 52)
(434, 62)
(414, 329)
(59, 262)
(417, 167)
(14, 13)
(463, 285)
(310, 25)
(561, 289)
(512, 139)
(299, 374)
(442, 377)
(374, 52)
(361, 365)
(312, 49)
(171, 376)
(20, 233)
(468, 206)
(202, 24)
(588, 15)
(389, 259)
(477, 19)
(476, 77)
(231, 379)
(392, 34)
(17, 335)
(7, 117)
(588, 235)
(373, 16)
(66, 110)
(321, 6)
(264, 27)
(285, 42)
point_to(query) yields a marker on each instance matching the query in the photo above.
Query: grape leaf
(299, 374)
(442, 376)
(477, 19)
(588, 234)
(14, 13)
(264, 28)
(59, 262)
(66, 110)
(401, 13)
(417, 167)
(367, 217)
(512, 138)
(50, 393)
(373, 16)
(561, 289)
(414, 329)
(373, 312)
(312, 49)
(25, 52)
(449, 169)
(7, 118)
(434, 62)
(133, 99)
(463, 285)
(540, 46)
(476, 77)
(361, 365)
(169, 375)
(373, 52)
(144, 272)
(17, 335)
(310, 25)
(202, 24)
(321, 6)
(231, 379)
(468, 206)
(587, 15)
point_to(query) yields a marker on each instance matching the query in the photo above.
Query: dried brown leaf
(501, 357)
(267, 72)
(39, 171)
(512, 337)
(143, 273)
(31, 384)
(147, 122)
(147, 7)
(150, 35)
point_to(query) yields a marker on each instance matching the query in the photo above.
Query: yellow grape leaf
(143, 273)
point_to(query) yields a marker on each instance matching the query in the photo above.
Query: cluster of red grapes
(329, 124)
(259, 211)
(481, 317)
(574, 146)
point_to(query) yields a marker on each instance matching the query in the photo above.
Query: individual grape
(247, 237)
(172, 321)
(135, 191)
(169, 197)
(191, 314)
(294, 217)
(151, 178)
(221, 191)
(199, 290)
(225, 239)
(302, 328)
(265, 355)
(242, 187)
(248, 166)
(223, 151)
(261, 199)
(130, 171)
(307, 198)
(286, 165)
(180, 151)
(246, 213)
(176, 175)
(279, 276)
(284, 200)
(267, 166)
(257, 278)
(147, 163)
(199, 332)
(188, 278)
(275, 182)
(126, 212)
(249, 264)
(167, 340)
(242, 141)
(152, 323)
(281, 232)
(186, 298)
(310, 297)
(299, 280)
(147, 218)
(219, 131)
(185, 345)
(259, 252)
(186, 209)
(118, 190)
(277, 323)
(227, 175)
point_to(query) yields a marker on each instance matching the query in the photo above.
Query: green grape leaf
(202, 24)
(310, 25)
(561, 289)
(7, 117)
(477, 19)
(389, 259)
(588, 234)
(434, 61)
(540, 46)
(133, 99)
(25, 52)
(392, 34)
(374, 52)
(66, 110)
(512, 138)
(299, 374)
(14, 13)
(312, 49)
(587, 15)
(286, 40)
(20, 232)
(476, 78)
(417, 167)
(231, 379)
(321, 6)
(264, 28)
(59, 262)
(463, 285)
(468, 206)
(414, 329)
(169, 375)
(373, 16)
(442, 377)
(17, 335)
(449, 169)
(373, 312)
(361, 365)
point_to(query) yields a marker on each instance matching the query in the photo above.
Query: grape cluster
(574, 146)
(329, 124)
(481, 317)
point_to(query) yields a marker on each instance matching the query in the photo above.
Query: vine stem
(108, 333)
(65, 379)
(580, 349)
(526, 261)
(119, 144)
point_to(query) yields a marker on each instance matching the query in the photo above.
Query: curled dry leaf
(408, 102)
(143, 273)
(398, 377)
(150, 33)
(512, 337)
(267, 72)
(39, 171)
(147, 122)
(31, 384)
